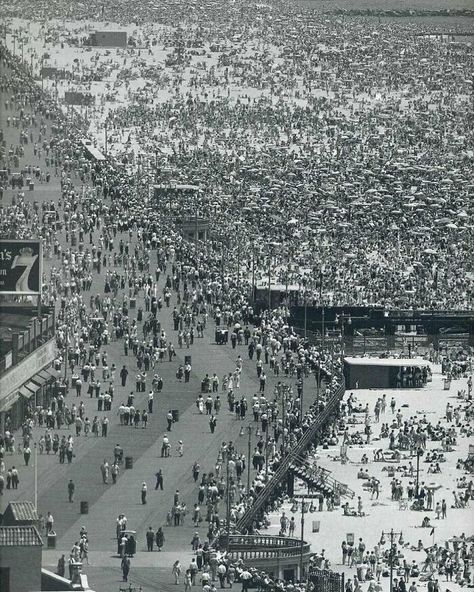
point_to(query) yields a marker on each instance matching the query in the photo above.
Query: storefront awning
(51, 373)
(38, 380)
(26, 391)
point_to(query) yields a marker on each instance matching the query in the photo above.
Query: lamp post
(36, 477)
(249, 432)
(303, 509)
(392, 534)
(227, 518)
(419, 452)
(305, 296)
(343, 319)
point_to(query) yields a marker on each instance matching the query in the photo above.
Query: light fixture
(382, 539)
(400, 540)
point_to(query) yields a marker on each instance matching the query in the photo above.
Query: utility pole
(249, 429)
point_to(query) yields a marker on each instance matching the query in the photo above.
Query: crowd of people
(309, 128)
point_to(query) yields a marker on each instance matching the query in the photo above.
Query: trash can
(84, 507)
(175, 414)
(447, 384)
(51, 540)
(31, 186)
(203, 386)
(133, 303)
(187, 360)
(129, 462)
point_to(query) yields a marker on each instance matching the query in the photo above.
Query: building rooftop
(19, 536)
(22, 511)
(394, 362)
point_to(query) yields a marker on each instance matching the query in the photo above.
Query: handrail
(265, 547)
(246, 520)
(257, 540)
(318, 478)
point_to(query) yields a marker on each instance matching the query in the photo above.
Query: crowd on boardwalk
(300, 134)
(342, 176)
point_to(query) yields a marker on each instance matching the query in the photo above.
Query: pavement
(106, 502)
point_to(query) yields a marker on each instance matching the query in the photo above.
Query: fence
(252, 547)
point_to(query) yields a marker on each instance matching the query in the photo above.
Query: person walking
(125, 568)
(160, 538)
(150, 538)
(70, 490)
(159, 480)
(176, 571)
(187, 581)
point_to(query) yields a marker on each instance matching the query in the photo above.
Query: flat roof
(394, 362)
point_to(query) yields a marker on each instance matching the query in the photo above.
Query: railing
(307, 438)
(320, 479)
(253, 547)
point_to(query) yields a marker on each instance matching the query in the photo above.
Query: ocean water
(386, 4)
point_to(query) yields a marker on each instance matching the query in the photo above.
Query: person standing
(144, 490)
(70, 490)
(150, 539)
(123, 377)
(196, 469)
(27, 455)
(150, 402)
(221, 573)
(49, 523)
(61, 569)
(104, 469)
(115, 470)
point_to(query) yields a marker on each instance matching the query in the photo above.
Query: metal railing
(303, 443)
(320, 479)
(265, 547)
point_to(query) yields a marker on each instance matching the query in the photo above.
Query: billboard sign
(20, 267)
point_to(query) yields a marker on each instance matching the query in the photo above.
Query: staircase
(260, 503)
(319, 479)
